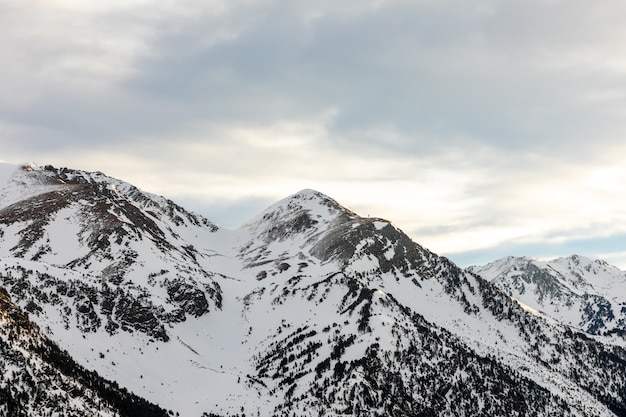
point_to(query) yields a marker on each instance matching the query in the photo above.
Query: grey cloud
(439, 72)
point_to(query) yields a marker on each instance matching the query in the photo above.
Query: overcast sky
(481, 128)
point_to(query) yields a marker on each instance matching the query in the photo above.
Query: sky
(481, 128)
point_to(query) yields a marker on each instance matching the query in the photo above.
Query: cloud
(448, 74)
(514, 76)
(470, 125)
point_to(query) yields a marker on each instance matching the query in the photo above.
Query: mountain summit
(308, 309)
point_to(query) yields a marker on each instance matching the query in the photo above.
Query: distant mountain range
(584, 293)
(308, 309)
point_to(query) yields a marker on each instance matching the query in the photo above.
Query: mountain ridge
(306, 309)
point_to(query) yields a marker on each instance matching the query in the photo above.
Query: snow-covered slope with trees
(39, 379)
(307, 309)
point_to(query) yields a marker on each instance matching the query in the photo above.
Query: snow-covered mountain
(584, 293)
(307, 309)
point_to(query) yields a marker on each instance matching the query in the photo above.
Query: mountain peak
(305, 210)
(309, 193)
(310, 199)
